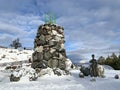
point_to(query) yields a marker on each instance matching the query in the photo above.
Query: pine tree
(101, 60)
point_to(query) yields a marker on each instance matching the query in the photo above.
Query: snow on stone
(68, 64)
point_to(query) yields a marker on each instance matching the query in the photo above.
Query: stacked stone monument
(49, 48)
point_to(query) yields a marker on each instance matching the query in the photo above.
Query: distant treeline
(2, 47)
(113, 61)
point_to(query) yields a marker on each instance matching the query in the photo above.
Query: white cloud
(88, 24)
(19, 26)
(11, 29)
(5, 39)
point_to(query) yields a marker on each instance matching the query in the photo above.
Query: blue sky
(91, 26)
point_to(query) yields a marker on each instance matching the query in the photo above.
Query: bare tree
(16, 43)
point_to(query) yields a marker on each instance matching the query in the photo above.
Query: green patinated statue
(50, 19)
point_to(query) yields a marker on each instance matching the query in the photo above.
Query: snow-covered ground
(53, 82)
(13, 55)
(71, 82)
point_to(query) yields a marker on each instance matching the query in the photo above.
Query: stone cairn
(49, 48)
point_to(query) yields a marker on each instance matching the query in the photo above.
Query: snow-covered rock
(51, 71)
(47, 71)
(81, 75)
(60, 72)
(27, 72)
(100, 69)
(68, 63)
(86, 70)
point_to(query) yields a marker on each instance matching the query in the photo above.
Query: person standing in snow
(93, 67)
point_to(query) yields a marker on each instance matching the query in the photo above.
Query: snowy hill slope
(14, 55)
